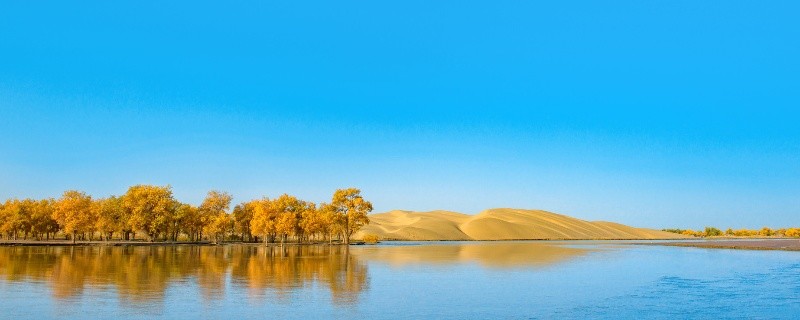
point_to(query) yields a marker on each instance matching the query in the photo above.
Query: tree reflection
(143, 274)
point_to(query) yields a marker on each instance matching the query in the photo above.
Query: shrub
(370, 238)
(712, 232)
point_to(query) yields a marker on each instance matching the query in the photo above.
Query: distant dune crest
(499, 224)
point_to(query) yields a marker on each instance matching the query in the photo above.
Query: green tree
(712, 232)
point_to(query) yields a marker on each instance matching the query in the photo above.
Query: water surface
(518, 280)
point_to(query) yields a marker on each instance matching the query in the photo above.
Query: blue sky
(651, 113)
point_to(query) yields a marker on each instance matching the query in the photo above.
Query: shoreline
(115, 243)
(783, 244)
(68, 243)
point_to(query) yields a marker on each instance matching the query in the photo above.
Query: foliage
(370, 238)
(74, 213)
(151, 208)
(351, 209)
(712, 232)
(154, 212)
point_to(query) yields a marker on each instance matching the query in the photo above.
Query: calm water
(399, 280)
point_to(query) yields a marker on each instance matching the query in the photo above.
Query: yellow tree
(330, 222)
(311, 222)
(351, 209)
(2, 217)
(42, 222)
(149, 208)
(215, 203)
(263, 222)
(242, 217)
(218, 226)
(8, 218)
(287, 209)
(73, 212)
(187, 220)
(12, 218)
(110, 215)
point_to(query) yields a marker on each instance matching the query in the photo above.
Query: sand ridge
(499, 224)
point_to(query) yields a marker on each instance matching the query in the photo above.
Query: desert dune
(499, 224)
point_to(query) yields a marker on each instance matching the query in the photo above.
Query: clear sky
(650, 113)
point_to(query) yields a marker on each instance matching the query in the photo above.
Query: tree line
(763, 232)
(152, 211)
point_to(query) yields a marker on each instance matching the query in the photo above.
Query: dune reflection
(144, 274)
(487, 254)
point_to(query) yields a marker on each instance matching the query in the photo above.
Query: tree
(188, 221)
(311, 220)
(110, 216)
(215, 203)
(712, 232)
(330, 221)
(73, 211)
(218, 226)
(352, 209)
(287, 208)
(42, 222)
(766, 232)
(150, 208)
(263, 222)
(242, 217)
(15, 213)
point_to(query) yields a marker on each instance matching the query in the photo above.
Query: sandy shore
(500, 224)
(743, 244)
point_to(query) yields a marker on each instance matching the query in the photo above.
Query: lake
(399, 280)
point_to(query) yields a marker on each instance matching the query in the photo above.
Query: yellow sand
(498, 224)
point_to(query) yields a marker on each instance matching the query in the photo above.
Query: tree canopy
(153, 211)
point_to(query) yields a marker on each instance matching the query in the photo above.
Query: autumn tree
(333, 223)
(218, 226)
(73, 212)
(213, 205)
(150, 208)
(188, 221)
(351, 209)
(242, 217)
(263, 222)
(13, 217)
(286, 208)
(311, 221)
(41, 218)
(110, 216)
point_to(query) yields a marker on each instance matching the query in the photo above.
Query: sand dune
(498, 224)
